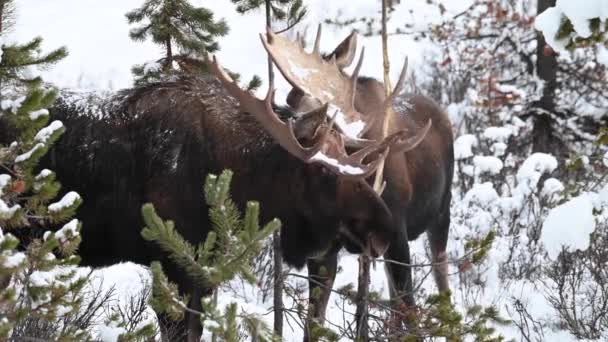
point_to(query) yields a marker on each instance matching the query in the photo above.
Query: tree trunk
(361, 315)
(2, 7)
(2, 3)
(276, 242)
(378, 180)
(268, 23)
(544, 139)
(169, 55)
(278, 284)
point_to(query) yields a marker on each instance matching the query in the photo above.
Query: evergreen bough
(42, 295)
(38, 279)
(226, 253)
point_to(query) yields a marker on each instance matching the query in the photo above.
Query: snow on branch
(569, 19)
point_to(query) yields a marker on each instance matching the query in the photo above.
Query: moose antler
(283, 133)
(321, 79)
(353, 165)
(262, 111)
(388, 102)
(400, 143)
(403, 143)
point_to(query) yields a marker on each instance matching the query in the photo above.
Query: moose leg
(193, 321)
(321, 273)
(400, 281)
(438, 240)
(398, 272)
(189, 328)
(170, 330)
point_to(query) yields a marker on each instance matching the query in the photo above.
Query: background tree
(504, 70)
(567, 32)
(289, 11)
(544, 136)
(361, 314)
(175, 24)
(564, 29)
(510, 94)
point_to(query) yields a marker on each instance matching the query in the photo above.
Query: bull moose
(155, 143)
(418, 180)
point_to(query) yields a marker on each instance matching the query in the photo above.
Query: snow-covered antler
(321, 79)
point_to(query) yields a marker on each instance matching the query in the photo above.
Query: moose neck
(263, 170)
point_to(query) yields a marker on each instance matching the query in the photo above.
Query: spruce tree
(226, 253)
(174, 24)
(289, 11)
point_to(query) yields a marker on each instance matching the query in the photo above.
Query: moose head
(335, 185)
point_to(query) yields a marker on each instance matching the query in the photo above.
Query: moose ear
(306, 124)
(294, 97)
(345, 51)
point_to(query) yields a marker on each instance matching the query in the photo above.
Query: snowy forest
(304, 170)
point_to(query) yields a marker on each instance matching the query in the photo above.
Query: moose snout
(358, 242)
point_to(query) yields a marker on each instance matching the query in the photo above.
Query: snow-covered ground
(102, 54)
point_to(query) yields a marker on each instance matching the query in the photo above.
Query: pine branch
(227, 252)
